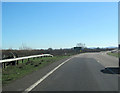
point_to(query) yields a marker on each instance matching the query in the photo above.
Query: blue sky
(59, 25)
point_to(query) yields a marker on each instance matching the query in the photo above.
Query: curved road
(83, 72)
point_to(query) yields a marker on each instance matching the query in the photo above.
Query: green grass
(12, 73)
(114, 54)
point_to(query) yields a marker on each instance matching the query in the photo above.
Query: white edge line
(44, 77)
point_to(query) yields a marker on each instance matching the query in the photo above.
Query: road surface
(83, 72)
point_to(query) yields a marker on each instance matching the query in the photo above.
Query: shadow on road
(111, 70)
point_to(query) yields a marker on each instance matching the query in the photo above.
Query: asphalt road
(83, 72)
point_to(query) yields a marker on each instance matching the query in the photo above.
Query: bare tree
(24, 47)
(50, 49)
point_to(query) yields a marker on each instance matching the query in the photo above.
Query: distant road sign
(77, 48)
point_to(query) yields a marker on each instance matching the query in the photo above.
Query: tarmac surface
(83, 72)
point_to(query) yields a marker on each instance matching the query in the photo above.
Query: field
(12, 73)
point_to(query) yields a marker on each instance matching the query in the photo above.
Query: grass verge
(114, 54)
(12, 73)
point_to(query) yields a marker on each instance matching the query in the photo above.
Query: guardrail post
(22, 60)
(4, 65)
(28, 59)
(13, 62)
(0, 65)
(17, 62)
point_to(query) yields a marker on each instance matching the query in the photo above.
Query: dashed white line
(44, 77)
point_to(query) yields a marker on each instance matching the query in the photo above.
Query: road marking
(44, 77)
(98, 61)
